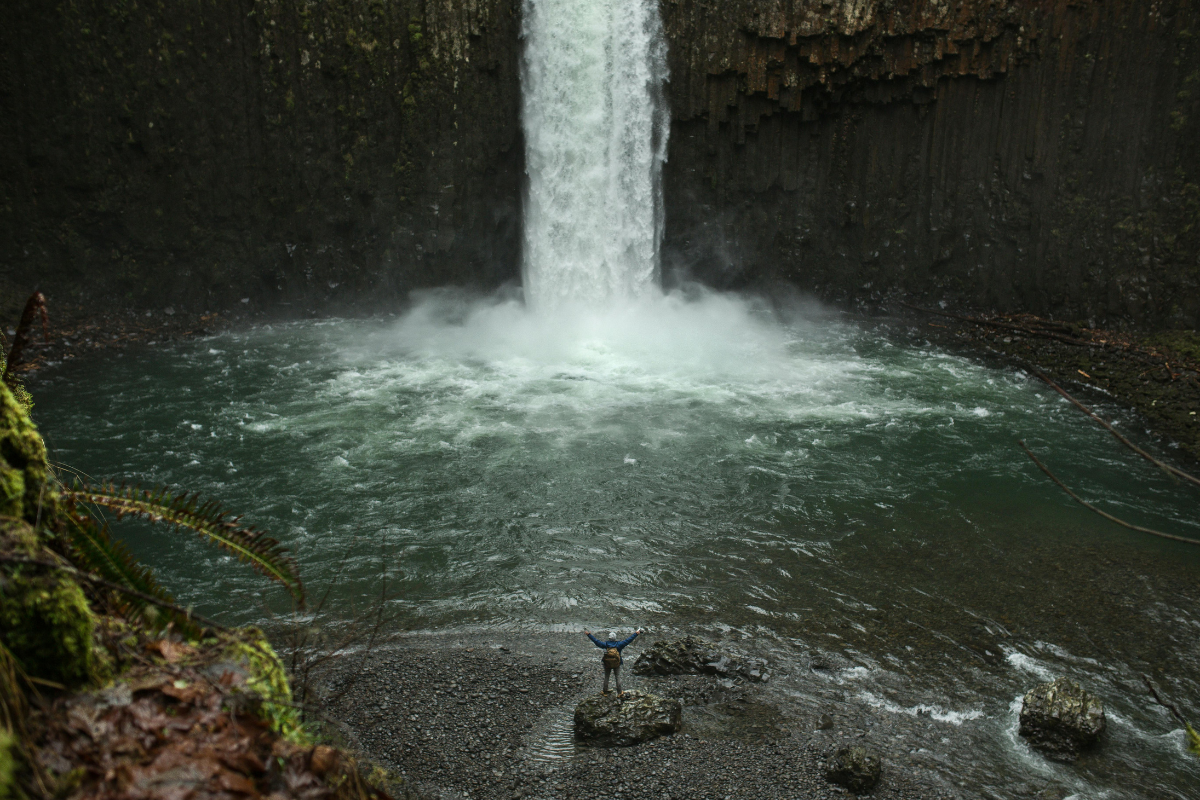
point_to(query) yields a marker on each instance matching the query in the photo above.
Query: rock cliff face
(299, 154)
(1009, 154)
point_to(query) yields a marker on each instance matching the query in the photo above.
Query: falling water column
(596, 124)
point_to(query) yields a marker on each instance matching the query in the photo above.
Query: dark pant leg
(607, 670)
(617, 675)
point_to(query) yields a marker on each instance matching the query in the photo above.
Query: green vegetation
(187, 512)
(75, 607)
(49, 626)
(268, 679)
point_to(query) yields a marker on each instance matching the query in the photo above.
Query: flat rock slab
(1061, 719)
(611, 720)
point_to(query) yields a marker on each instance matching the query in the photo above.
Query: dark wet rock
(611, 720)
(686, 656)
(1061, 719)
(856, 767)
(1052, 793)
(825, 723)
(692, 656)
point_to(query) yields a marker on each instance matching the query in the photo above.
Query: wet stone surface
(629, 718)
(1061, 719)
(469, 720)
(855, 767)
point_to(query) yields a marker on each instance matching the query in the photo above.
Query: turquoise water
(793, 479)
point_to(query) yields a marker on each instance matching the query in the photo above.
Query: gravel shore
(473, 716)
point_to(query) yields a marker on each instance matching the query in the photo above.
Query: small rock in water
(615, 721)
(856, 767)
(1061, 719)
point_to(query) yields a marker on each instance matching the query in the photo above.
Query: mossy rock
(47, 624)
(45, 620)
(248, 654)
(1061, 719)
(621, 720)
(855, 767)
(23, 488)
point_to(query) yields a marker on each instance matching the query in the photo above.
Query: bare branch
(1165, 467)
(1104, 514)
(1168, 706)
(1005, 325)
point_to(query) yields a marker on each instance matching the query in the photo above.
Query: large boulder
(692, 656)
(1061, 719)
(856, 767)
(611, 720)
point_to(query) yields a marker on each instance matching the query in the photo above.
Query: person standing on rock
(612, 658)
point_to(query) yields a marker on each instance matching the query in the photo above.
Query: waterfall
(595, 121)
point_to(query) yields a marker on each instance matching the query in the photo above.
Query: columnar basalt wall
(1013, 154)
(1007, 154)
(298, 153)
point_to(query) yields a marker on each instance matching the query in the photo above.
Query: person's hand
(587, 633)
(640, 631)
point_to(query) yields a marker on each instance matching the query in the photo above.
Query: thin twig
(36, 303)
(1005, 325)
(1104, 514)
(1168, 706)
(1166, 467)
(81, 575)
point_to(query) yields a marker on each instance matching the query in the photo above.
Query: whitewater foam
(595, 126)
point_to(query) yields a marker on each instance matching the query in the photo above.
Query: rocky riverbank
(1155, 374)
(489, 716)
(78, 332)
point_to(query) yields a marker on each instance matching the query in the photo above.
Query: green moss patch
(266, 677)
(23, 491)
(46, 623)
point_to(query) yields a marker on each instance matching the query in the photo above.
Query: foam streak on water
(595, 132)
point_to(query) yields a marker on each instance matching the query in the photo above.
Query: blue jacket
(603, 645)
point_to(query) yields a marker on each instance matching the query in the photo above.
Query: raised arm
(596, 641)
(621, 645)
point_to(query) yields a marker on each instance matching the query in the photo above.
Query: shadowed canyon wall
(300, 154)
(316, 154)
(1038, 156)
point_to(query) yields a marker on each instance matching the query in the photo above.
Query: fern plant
(109, 558)
(97, 551)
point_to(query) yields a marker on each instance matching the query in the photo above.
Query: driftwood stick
(83, 576)
(1168, 706)
(1005, 325)
(1165, 467)
(35, 304)
(1104, 514)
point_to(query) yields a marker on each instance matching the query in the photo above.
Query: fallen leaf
(188, 693)
(323, 759)
(232, 782)
(173, 652)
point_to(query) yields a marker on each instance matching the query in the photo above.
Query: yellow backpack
(611, 658)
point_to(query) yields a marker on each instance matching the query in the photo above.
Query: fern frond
(1193, 739)
(95, 550)
(249, 544)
